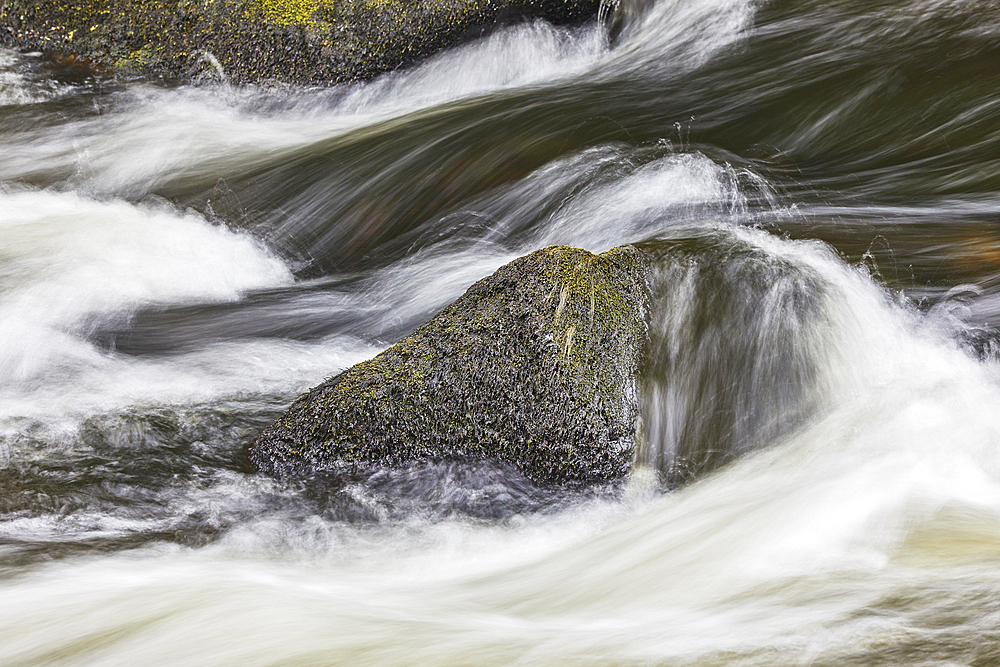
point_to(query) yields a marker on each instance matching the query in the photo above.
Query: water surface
(820, 480)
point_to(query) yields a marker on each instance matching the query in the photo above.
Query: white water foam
(17, 90)
(680, 35)
(70, 263)
(672, 191)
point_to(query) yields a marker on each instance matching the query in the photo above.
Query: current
(820, 479)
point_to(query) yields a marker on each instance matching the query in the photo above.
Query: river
(820, 483)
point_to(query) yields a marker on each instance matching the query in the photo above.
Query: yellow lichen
(291, 12)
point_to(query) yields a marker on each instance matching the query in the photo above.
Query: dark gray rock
(535, 366)
(298, 41)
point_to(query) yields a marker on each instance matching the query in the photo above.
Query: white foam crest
(150, 135)
(428, 281)
(69, 262)
(673, 189)
(680, 35)
(518, 56)
(93, 382)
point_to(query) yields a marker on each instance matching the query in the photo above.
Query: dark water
(821, 182)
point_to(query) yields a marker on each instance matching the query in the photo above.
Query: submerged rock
(299, 41)
(535, 366)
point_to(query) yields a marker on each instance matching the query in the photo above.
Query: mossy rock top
(534, 366)
(296, 41)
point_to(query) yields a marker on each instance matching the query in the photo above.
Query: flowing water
(819, 482)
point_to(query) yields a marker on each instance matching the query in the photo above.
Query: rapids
(820, 477)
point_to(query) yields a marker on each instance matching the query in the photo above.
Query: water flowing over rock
(534, 366)
(301, 41)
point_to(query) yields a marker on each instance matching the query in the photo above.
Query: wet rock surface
(297, 41)
(535, 366)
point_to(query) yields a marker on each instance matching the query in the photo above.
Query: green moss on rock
(534, 366)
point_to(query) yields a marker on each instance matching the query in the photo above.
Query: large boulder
(300, 41)
(535, 366)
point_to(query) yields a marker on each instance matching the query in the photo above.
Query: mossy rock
(535, 366)
(297, 41)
